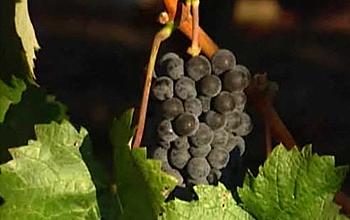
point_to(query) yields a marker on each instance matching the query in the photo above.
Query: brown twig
(268, 138)
(343, 200)
(207, 45)
(194, 49)
(162, 35)
(262, 103)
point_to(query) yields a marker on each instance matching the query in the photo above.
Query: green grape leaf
(35, 108)
(141, 186)
(214, 202)
(10, 94)
(101, 179)
(48, 179)
(294, 185)
(26, 33)
(18, 42)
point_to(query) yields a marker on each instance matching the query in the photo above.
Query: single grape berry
(172, 65)
(163, 88)
(214, 176)
(233, 120)
(165, 131)
(236, 79)
(222, 61)
(197, 67)
(175, 173)
(202, 151)
(193, 106)
(220, 138)
(205, 101)
(210, 85)
(240, 100)
(203, 136)
(235, 141)
(224, 102)
(179, 158)
(218, 158)
(163, 144)
(181, 143)
(198, 168)
(186, 124)
(201, 181)
(215, 120)
(171, 108)
(246, 125)
(185, 88)
(161, 154)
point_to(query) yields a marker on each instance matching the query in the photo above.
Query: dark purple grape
(186, 124)
(215, 120)
(181, 143)
(175, 173)
(214, 176)
(198, 168)
(173, 65)
(233, 120)
(222, 61)
(203, 136)
(218, 158)
(202, 151)
(220, 138)
(246, 125)
(168, 56)
(197, 67)
(193, 106)
(171, 108)
(179, 158)
(165, 131)
(185, 88)
(236, 79)
(163, 144)
(210, 85)
(205, 101)
(224, 102)
(161, 154)
(163, 88)
(240, 100)
(201, 181)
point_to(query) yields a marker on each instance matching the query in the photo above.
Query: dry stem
(195, 50)
(162, 35)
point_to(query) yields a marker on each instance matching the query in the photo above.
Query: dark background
(94, 55)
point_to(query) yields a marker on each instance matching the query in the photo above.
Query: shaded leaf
(100, 177)
(35, 108)
(141, 187)
(10, 94)
(47, 179)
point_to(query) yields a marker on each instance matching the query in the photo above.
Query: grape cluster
(201, 115)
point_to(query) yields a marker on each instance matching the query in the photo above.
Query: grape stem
(194, 49)
(162, 35)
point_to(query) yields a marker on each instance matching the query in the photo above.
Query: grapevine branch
(162, 35)
(194, 50)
